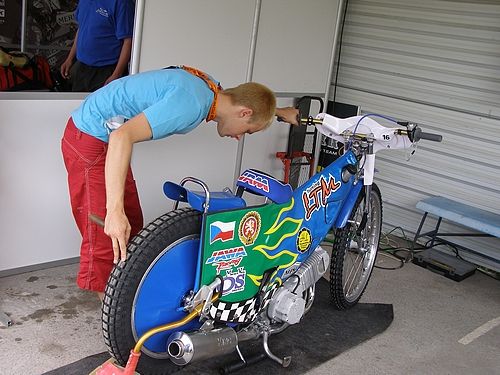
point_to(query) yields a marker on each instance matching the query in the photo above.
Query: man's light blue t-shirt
(173, 100)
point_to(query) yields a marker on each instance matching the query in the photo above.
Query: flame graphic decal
(284, 227)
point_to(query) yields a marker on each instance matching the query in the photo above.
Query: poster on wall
(10, 23)
(50, 29)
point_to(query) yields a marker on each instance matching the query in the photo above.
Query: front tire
(353, 256)
(147, 290)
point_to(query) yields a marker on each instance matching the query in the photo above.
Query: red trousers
(84, 157)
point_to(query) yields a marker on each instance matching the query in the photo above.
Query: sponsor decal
(227, 265)
(315, 196)
(234, 281)
(304, 240)
(252, 179)
(249, 228)
(290, 270)
(227, 258)
(221, 231)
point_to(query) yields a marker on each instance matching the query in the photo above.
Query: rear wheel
(353, 255)
(147, 290)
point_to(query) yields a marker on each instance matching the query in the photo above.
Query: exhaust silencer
(184, 348)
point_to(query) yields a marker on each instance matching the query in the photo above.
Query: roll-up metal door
(437, 63)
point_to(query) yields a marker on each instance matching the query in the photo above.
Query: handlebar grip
(419, 134)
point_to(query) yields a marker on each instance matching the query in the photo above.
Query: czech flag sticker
(221, 231)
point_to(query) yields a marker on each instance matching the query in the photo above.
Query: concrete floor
(55, 323)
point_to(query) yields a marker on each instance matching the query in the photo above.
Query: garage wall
(436, 63)
(35, 220)
(36, 225)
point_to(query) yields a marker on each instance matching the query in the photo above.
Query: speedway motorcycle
(201, 280)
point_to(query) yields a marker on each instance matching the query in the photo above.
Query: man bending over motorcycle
(99, 136)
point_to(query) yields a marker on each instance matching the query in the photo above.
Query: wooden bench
(485, 222)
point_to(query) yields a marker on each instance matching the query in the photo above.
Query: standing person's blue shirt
(102, 46)
(102, 25)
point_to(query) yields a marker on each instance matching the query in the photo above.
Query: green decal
(241, 245)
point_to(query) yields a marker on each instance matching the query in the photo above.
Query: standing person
(102, 44)
(98, 140)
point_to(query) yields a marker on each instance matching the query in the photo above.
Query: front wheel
(353, 255)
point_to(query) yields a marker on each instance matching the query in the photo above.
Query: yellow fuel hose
(193, 314)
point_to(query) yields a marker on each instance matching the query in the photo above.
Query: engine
(288, 304)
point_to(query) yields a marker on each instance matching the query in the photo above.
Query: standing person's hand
(117, 227)
(111, 78)
(65, 68)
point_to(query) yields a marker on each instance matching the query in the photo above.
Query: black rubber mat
(323, 334)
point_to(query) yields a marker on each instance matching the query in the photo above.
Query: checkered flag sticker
(242, 311)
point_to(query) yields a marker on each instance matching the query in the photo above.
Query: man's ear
(246, 112)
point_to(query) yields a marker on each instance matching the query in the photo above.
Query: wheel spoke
(355, 269)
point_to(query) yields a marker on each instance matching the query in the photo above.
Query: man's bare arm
(121, 141)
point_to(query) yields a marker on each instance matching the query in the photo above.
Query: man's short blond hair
(258, 98)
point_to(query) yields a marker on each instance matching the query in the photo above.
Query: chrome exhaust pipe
(184, 348)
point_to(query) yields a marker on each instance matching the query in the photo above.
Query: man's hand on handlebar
(288, 114)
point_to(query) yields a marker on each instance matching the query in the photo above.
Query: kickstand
(285, 362)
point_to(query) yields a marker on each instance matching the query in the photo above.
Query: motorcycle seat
(260, 183)
(219, 201)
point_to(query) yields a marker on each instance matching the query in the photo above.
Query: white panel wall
(36, 224)
(213, 36)
(294, 44)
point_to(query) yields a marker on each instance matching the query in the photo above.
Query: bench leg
(436, 231)
(417, 235)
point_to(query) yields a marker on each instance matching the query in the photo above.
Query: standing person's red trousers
(84, 157)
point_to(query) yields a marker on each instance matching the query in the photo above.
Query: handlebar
(414, 135)
(413, 132)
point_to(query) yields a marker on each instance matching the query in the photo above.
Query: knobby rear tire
(126, 277)
(346, 290)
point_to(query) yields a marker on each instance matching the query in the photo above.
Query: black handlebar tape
(428, 136)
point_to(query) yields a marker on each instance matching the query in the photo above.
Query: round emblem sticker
(249, 228)
(304, 240)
